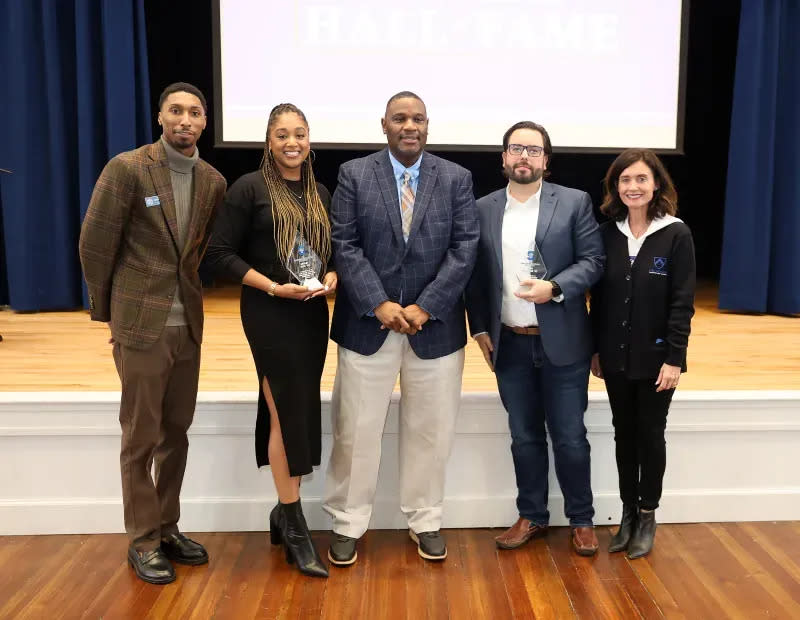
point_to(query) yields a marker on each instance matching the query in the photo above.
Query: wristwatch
(557, 292)
(271, 289)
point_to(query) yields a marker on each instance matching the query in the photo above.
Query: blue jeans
(535, 392)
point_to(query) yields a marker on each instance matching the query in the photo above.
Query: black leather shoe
(183, 550)
(430, 545)
(643, 535)
(296, 538)
(275, 525)
(620, 540)
(151, 566)
(342, 551)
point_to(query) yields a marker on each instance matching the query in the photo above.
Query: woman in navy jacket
(641, 312)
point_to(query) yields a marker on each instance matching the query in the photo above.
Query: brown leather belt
(523, 331)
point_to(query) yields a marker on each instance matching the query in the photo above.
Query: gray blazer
(375, 264)
(568, 237)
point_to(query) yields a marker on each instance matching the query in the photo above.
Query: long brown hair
(288, 214)
(665, 198)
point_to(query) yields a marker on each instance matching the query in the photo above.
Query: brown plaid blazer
(129, 250)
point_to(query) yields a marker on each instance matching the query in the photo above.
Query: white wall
(732, 456)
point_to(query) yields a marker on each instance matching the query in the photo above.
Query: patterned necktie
(406, 204)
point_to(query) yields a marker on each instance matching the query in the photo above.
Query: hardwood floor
(712, 570)
(65, 351)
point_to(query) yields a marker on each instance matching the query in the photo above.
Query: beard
(523, 178)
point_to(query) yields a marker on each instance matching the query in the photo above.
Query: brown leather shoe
(520, 533)
(584, 540)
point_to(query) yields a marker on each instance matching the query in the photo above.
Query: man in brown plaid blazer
(144, 233)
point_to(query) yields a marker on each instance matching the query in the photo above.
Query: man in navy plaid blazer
(405, 235)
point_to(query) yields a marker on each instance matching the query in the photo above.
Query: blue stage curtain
(74, 92)
(3, 277)
(761, 242)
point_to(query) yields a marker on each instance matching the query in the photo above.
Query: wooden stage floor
(65, 351)
(711, 570)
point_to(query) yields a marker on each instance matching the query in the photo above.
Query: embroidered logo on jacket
(659, 266)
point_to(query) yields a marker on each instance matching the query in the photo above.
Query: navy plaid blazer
(375, 264)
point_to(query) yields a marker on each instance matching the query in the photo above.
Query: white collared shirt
(634, 244)
(519, 231)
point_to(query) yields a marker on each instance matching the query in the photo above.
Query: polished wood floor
(52, 351)
(709, 571)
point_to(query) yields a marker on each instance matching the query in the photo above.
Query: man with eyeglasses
(540, 251)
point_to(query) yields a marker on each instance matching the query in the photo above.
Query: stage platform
(65, 351)
(732, 436)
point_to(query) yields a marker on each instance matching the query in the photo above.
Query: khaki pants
(430, 396)
(159, 391)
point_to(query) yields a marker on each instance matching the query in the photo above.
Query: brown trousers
(159, 392)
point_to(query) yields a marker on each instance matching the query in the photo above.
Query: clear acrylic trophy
(304, 264)
(532, 266)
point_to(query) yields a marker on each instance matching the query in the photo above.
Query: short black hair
(404, 94)
(182, 87)
(548, 147)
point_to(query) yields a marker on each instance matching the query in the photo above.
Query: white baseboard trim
(219, 514)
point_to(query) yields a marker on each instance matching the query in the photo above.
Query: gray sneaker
(342, 551)
(430, 545)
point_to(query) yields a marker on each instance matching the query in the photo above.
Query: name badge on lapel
(151, 201)
(659, 266)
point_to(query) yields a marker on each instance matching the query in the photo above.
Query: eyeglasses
(533, 151)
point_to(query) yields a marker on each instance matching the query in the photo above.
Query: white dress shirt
(519, 231)
(634, 244)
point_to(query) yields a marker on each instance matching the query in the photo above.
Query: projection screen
(598, 75)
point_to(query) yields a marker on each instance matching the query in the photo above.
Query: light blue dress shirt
(399, 169)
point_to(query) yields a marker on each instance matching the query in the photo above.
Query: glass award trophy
(532, 266)
(304, 264)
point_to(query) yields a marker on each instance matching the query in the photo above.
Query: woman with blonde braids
(285, 323)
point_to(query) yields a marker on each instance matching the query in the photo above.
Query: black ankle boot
(643, 534)
(296, 538)
(620, 540)
(275, 525)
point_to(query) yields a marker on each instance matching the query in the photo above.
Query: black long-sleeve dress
(288, 338)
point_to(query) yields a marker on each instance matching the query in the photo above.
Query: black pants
(639, 414)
